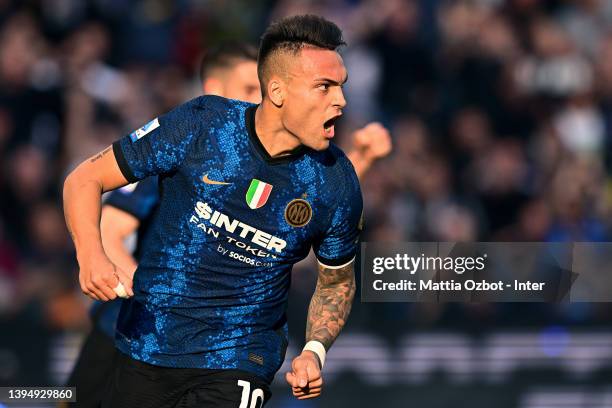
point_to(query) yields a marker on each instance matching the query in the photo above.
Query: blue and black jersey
(212, 283)
(139, 200)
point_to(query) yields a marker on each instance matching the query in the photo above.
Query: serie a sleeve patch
(143, 131)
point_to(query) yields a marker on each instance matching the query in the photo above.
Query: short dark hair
(226, 55)
(292, 34)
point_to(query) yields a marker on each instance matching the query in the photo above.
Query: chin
(317, 143)
(322, 145)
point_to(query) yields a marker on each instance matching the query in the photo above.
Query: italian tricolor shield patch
(258, 193)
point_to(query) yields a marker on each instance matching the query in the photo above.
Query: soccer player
(228, 70)
(246, 191)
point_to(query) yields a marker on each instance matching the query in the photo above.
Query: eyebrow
(331, 81)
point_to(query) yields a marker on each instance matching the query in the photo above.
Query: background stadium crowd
(500, 114)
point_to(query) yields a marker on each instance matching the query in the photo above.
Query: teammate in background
(371, 143)
(228, 70)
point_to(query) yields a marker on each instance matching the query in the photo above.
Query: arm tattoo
(330, 304)
(99, 155)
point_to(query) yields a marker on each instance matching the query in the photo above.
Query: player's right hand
(99, 278)
(305, 376)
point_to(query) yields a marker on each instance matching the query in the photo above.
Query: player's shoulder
(332, 159)
(329, 158)
(338, 169)
(218, 104)
(216, 111)
(208, 104)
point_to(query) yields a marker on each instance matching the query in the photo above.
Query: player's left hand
(305, 376)
(372, 141)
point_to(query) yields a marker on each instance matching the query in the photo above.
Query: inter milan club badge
(258, 194)
(298, 212)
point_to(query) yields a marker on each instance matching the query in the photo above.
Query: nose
(339, 100)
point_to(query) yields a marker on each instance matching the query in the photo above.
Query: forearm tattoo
(330, 304)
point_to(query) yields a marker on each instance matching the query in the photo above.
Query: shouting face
(312, 95)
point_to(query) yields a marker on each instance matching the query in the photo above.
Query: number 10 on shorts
(246, 393)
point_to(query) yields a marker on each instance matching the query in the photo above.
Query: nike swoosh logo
(209, 181)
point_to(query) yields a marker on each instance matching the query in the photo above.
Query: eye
(323, 87)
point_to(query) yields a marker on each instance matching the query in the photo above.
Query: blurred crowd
(500, 113)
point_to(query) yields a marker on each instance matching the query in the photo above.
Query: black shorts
(92, 369)
(137, 384)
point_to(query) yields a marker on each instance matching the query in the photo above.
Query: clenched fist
(370, 143)
(373, 141)
(100, 279)
(305, 376)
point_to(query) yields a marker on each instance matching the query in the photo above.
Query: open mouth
(329, 125)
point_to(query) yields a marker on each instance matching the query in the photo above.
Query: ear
(212, 86)
(276, 91)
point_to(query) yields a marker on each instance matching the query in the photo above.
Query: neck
(274, 137)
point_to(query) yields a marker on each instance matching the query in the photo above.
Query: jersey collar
(260, 149)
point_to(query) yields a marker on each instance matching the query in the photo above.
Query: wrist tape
(317, 348)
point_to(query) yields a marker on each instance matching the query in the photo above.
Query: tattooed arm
(83, 190)
(329, 308)
(331, 304)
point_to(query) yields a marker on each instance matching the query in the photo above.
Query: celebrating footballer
(245, 191)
